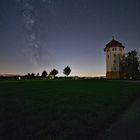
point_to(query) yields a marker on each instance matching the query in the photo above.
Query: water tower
(114, 52)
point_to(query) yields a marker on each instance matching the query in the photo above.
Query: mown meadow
(62, 109)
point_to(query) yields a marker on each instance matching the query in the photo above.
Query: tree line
(130, 66)
(51, 75)
(44, 75)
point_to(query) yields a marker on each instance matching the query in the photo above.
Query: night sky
(46, 34)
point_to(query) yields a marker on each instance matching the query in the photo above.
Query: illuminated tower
(114, 52)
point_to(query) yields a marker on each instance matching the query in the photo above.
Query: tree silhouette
(67, 70)
(54, 72)
(28, 75)
(130, 64)
(32, 75)
(37, 75)
(44, 74)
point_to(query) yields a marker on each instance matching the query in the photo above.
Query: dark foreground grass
(61, 110)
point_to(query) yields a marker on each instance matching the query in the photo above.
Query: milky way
(31, 21)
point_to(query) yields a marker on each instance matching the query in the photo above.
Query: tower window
(107, 56)
(114, 61)
(114, 55)
(115, 49)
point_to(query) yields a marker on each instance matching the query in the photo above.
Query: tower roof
(113, 43)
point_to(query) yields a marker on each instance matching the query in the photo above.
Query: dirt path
(127, 127)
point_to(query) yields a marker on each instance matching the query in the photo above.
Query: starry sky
(46, 34)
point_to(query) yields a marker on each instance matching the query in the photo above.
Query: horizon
(23, 74)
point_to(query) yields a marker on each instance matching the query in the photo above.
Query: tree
(54, 72)
(67, 70)
(37, 75)
(32, 75)
(44, 74)
(129, 64)
(28, 75)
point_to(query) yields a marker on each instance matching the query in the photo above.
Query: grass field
(61, 109)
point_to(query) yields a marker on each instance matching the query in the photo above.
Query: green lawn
(61, 109)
